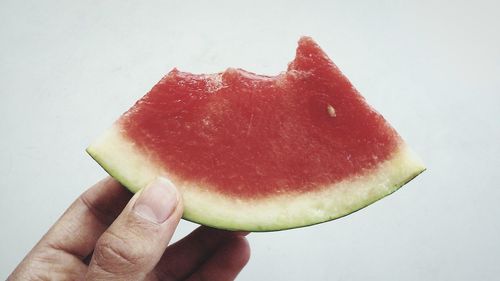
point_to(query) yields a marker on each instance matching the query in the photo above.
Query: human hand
(107, 234)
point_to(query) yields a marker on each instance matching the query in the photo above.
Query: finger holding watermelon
(108, 234)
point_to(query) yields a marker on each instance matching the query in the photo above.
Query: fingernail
(157, 201)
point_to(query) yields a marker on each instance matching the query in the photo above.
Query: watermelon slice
(260, 153)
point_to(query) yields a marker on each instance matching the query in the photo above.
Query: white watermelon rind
(134, 168)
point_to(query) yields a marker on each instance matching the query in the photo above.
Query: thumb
(131, 247)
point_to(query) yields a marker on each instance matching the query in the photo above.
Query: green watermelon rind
(134, 169)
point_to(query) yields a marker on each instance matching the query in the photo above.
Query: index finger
(78, 229)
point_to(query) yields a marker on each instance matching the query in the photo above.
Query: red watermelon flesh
(254, 152)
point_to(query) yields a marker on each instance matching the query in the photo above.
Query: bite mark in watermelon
(260, 153)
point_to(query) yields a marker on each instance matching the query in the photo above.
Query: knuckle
(114, 254)
(47, 264)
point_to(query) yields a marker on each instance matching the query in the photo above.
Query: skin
(110, 234)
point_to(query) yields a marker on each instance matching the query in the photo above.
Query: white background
(68, 69)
